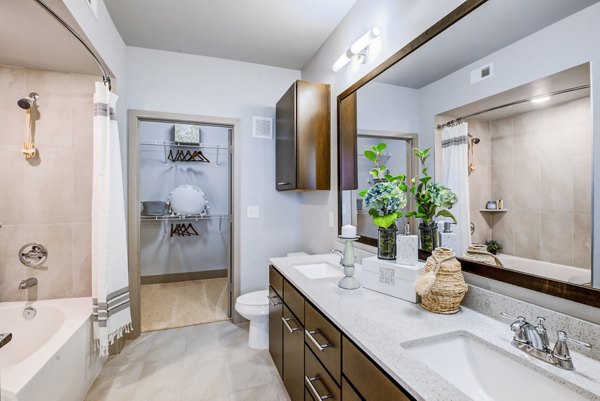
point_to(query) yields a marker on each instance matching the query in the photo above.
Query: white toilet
(254, 306)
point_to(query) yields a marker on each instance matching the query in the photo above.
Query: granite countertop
(380, 324)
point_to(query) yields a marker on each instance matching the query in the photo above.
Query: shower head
(476, 140)
(26, 102)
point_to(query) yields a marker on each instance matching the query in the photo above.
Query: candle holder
(349, 282)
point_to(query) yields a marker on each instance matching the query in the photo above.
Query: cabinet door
(285, 141)
(276, 330)
(293, 355)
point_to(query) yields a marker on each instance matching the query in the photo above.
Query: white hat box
(391, 278)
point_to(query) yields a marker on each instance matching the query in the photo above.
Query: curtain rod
(459, 120)
(105, 77)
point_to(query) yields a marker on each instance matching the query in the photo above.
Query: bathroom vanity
(362, 345)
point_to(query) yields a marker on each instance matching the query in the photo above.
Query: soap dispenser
(447, 237)
(407, 248)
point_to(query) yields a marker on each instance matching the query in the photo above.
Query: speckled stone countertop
(380, 324)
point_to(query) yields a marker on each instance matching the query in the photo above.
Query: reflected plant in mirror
(385, 200)
(433, 200)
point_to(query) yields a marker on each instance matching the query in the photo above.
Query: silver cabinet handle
(285, 321)
(283, 183)
(320, 346)
(313, 390)
(271, 299)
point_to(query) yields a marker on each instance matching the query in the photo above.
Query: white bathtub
(570, 274)
(51, 357)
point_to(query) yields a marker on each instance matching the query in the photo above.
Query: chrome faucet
(30, 282)
(338, 252)
(533, 340)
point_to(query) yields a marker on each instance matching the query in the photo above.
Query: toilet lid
(255, 298)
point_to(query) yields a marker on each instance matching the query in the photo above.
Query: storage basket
(479, 253)
(441, 284)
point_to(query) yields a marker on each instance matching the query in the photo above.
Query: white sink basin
(485, 372)
(315, 271)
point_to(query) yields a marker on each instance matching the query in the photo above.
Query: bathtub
(569, 274)
(51, 357)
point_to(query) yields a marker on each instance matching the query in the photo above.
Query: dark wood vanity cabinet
(314, 358)
(302, 137)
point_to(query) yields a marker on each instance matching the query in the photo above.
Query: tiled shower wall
(540, 165)
(46, 199)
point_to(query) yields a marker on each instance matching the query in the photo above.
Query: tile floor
(184, 303)
(208, 362)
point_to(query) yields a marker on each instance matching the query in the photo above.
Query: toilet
(254, 306)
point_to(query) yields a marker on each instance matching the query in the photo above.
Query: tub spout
(30, 282)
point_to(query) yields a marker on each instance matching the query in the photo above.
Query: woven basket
(479, 253)
(449, 287)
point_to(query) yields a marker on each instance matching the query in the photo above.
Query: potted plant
(493, 246)
(432, 200)
(385, 200)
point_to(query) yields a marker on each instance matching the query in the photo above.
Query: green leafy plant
(387, 196)
(432, 199)
(493, 246)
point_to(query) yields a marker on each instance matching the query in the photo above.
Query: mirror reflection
(508, 118)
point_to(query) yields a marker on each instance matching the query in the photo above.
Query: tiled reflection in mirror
(209, 362)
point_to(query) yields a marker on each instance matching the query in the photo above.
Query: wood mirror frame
(348, 173)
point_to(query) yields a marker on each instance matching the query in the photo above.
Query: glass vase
(428, 236)
(386, 243)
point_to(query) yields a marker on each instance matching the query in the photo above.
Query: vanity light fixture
(540, 99)
(359, 48)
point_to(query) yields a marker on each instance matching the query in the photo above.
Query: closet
(185, 232)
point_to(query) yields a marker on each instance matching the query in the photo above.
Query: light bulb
(341, 62)
(364, 40)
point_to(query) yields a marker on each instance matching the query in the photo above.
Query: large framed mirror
(502, 93)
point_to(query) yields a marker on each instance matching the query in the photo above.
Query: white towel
(110, 284)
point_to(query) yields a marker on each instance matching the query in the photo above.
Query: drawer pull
(312, 388)
(272, 302)
(283, 183)
(285, 321)
(320, 346)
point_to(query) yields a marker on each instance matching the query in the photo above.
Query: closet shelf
(195, 217)
(170, 144)
(183, 145)
(493, 210)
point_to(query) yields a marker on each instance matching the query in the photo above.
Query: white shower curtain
(455, 175)
(110, 284)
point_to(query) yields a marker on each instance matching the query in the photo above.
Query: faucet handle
(518, 326)
(564, 336)
(541, 329)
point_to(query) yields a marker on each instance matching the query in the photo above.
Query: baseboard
(188, 276)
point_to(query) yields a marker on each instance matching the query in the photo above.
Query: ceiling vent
(263, 127)
(482, 73)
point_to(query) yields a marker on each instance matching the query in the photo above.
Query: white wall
(188, 84)
(385, 107)
(400, 22)
(560, 46)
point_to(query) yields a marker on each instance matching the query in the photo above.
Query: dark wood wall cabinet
(302, 136)
(315, 359)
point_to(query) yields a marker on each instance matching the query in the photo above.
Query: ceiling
(31, 38)
(283, 33)
(571, 78)
(491, 27)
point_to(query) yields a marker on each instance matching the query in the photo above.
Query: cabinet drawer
(276, 330)
(367, 378)
(293, 300)
(293, 356)
(324, 340)
(348, 393)
(319, 383)
(276, 281)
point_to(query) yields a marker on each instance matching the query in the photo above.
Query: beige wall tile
(526, 234)
(582, 184)
(502, 142)
(82, 260)
(582, 240)
(83, 110)
(527, 187)
(503, 186)
(12, 238)
(12, 185)
(557, 238)
(55, 276)
(502, 231)
(12, 117)
(557, 186)
(527, 144)
(49, 186)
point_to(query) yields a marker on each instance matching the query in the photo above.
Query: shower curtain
(455, 175)
(110, 284)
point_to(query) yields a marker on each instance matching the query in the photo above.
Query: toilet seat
(256, 298)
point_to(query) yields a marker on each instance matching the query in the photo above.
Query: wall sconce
(360, 48)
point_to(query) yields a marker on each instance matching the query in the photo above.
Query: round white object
(188, 199)
(255, 298)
